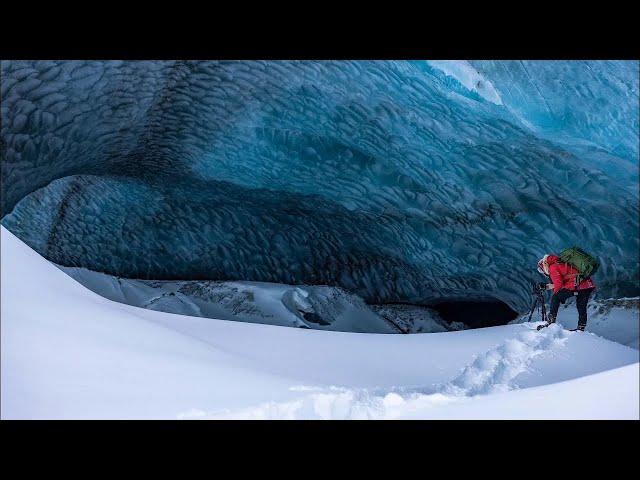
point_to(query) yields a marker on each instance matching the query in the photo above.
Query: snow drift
(70, 353)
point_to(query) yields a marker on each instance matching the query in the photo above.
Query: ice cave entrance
(475, 313)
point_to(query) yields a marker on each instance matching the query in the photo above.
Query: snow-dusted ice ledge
(69, 353)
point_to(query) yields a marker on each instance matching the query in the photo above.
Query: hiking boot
(551, 319)
(579, 328)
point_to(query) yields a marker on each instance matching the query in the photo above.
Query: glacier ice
(398, 181)
(593, 103)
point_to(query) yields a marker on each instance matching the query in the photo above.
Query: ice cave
(316, 239)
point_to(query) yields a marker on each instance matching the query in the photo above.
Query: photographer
(563, 278)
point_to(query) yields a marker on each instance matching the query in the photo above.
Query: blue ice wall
(589, 107)
(588, 102)
(391, 179)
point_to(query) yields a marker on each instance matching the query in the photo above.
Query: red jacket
(563, 275)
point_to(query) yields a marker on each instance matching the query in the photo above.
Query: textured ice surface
(393, 180)
(468, 77)
(594, 102)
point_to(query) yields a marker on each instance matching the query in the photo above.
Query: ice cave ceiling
(402, 181)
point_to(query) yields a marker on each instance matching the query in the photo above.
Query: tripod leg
(544, 312)
(545, 318)
(533, 307)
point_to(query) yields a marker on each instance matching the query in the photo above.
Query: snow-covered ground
(70, 353)
(616, 319)
(326, 308)
(317, 307)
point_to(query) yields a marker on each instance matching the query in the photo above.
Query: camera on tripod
(539, 287)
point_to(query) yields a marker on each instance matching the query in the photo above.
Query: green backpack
(586, 264)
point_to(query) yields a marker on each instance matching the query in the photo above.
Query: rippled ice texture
(396, 180)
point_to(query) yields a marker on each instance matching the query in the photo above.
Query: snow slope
(69, 353)
(616, 319)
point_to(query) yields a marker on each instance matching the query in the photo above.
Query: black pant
(581, 302)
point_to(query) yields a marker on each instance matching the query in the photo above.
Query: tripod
(538, 294)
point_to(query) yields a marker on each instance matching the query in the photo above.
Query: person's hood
(544, 262)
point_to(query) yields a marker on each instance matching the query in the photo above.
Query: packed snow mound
(390, 179)
(318, 307)
(304, 306)
(70, 353)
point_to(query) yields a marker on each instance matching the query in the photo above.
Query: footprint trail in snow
(493, 371)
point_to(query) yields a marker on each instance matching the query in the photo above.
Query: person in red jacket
(563, 278)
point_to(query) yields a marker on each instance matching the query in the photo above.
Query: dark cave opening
(475, 314)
